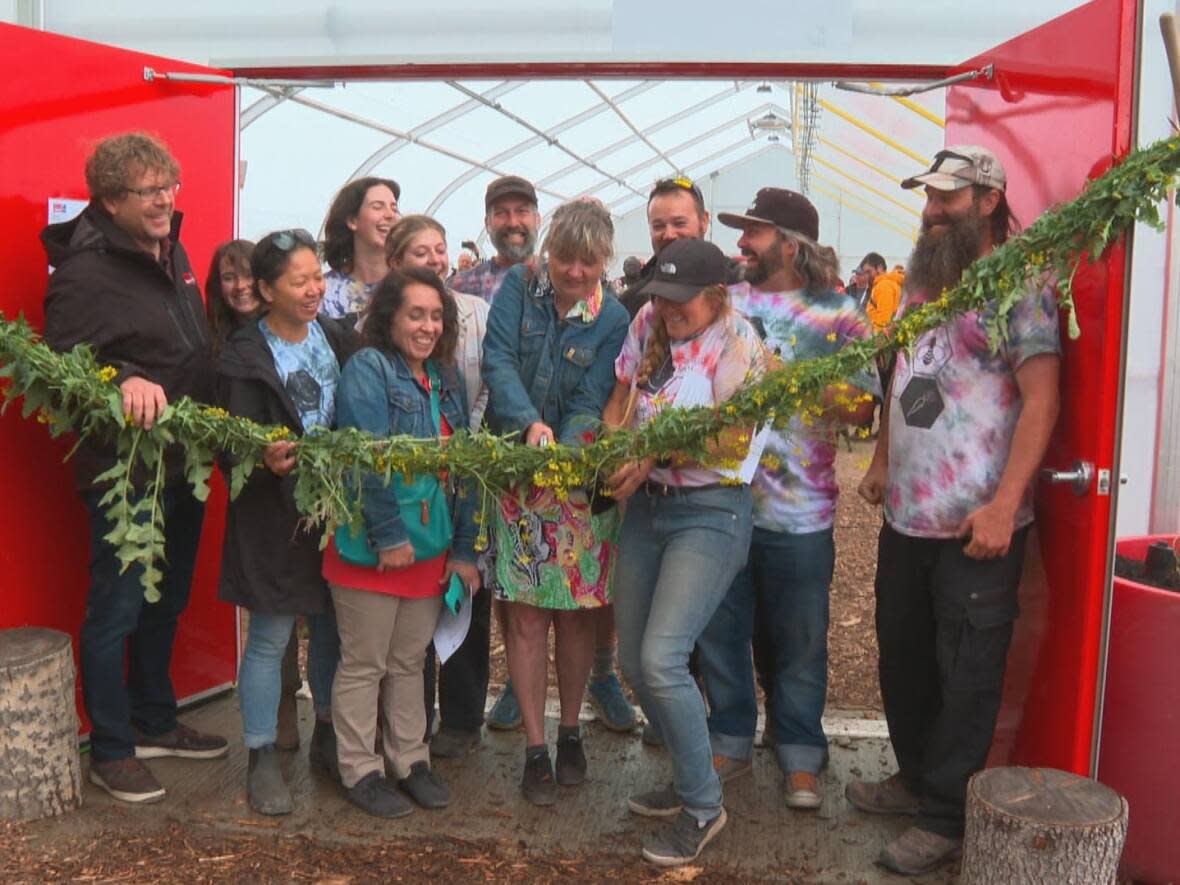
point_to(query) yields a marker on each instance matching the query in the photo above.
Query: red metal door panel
(1057, 112)
(58, 96)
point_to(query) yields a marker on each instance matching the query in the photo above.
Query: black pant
(463, 679)
(944, 623)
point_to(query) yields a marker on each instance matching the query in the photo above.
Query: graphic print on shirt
(304, 391)
(920, 398)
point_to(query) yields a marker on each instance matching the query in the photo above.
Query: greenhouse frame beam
(631, 125)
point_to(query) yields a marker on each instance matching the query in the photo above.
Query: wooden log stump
(40, 773)
(1041, 825)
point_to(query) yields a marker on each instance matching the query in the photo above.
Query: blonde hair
(408, 227)
(656, 351)
(581, 229)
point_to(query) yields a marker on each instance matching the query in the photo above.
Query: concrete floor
(764, 838)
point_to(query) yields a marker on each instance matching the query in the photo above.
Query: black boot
(322, 753)
(265, 788)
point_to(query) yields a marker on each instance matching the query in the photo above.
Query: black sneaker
(537, 784)
(375, 795)
(571, 761)
(266, 790)
(663, 802)
(424, 787)
(683, 840)
(322, 752)
(182, 742)
(128, 780)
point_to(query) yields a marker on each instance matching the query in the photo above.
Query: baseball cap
(781, 207)
(960, 166)
(509, 185)
(685, 267)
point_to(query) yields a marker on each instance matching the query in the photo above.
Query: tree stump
(1041, 825)
(40, 773)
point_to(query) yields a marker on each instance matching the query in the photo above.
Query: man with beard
(963, 436)
(511, 220)
(780, 599)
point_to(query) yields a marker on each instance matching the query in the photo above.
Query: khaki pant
(382, 637)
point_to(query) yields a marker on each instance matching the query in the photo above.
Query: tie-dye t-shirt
(726, 354)
(952, 413)
(484, 279)
(795, 487)
(345, 298)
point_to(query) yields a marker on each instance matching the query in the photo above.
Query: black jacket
(269, 563)
(137, 316)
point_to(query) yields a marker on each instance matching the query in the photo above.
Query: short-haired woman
(403, 382)
(548, 363)
(687, 527)
(360, 218)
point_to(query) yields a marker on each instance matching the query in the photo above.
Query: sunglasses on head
(680, 181)
(944, 155)
(286, 240)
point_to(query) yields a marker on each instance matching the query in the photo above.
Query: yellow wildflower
(107, 374)
(831, 336)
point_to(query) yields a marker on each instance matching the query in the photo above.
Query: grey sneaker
(425, 788)
(728, 768)
(683, 840)
(505, 714)
(128, 780)
(265, 788)
(656, 803)
(916, 852)
(454, 743)
(183, 742)
(377, 796)
(890, 796)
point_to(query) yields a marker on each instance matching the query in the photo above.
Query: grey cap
(957, 167)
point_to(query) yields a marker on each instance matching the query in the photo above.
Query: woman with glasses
(548, 363)
(284, 370)
(360, 218)
(687, 526)
(387, 588)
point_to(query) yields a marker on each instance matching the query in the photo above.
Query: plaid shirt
(482, 280)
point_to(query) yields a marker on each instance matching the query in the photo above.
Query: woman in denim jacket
(387, 613)
(548, 363)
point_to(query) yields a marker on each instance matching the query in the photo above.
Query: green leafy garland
(71, 392)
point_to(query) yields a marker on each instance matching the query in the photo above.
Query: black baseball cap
(684, 267)
(509, 185)
(783, 208)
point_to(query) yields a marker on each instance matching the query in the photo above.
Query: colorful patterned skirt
(550, 553)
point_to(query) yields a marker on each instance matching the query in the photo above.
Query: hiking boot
(265, 788)
(322, 752)
(611, 704)
(128, 780)
(571, 761)
(182, 742)
(802, 790)
(728, 768)
(538, 785)
(663, 802)
(453, 743)
(376, 796)
(683, 840)
(505, 714)
(651, 735)
(916, 852)
(424, 787)
(890, 796)
(287, 736)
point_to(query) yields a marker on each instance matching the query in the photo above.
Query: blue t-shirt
(309, 373)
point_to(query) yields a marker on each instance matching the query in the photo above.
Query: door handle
(1078, 477)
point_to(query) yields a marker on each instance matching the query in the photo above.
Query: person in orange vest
(884, 288)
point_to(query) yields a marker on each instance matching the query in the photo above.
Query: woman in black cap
(687, 525)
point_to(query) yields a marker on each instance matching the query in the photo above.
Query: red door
(57, 97)
(1057, 112)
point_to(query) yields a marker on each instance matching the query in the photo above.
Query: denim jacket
(379, 394)
(540, 367)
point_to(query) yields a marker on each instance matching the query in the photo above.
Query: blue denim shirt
(540, 367)
(379, 394)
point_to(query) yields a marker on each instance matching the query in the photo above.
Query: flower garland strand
(71, 392)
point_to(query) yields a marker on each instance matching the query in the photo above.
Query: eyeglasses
(683, 183)
(286, 240)
(147, 194)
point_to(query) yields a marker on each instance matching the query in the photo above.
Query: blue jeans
(260, 678)
(785, 587)
(121, 630)
(678, 554)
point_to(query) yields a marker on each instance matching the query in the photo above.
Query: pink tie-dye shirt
(953, 411)
(727, 353)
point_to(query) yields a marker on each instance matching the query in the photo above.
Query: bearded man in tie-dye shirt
(965, 429)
